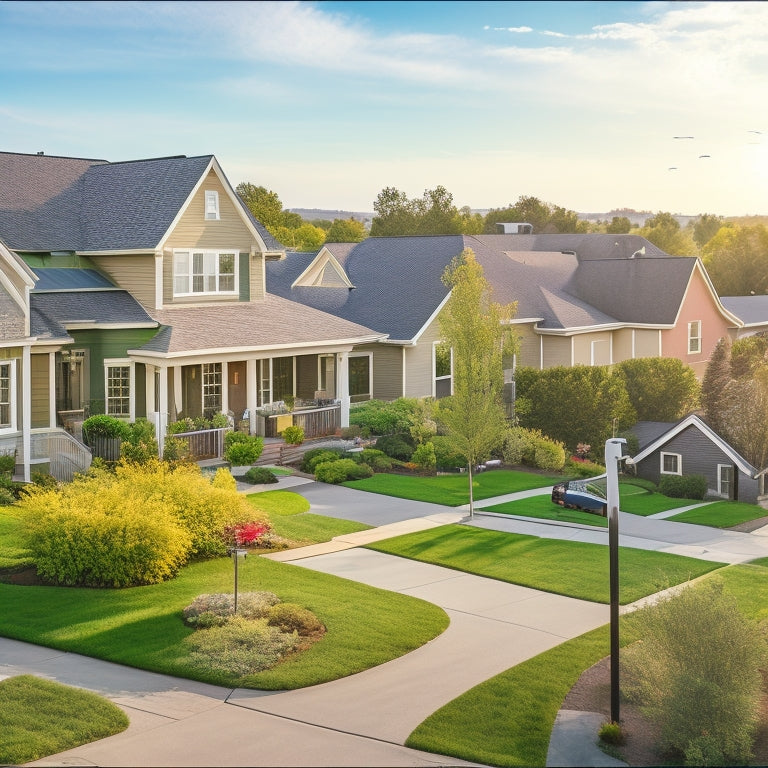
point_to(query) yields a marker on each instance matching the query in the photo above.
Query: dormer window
(212, 204)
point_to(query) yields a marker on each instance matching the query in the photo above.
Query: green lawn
(507, 720)
(13, 553)
(542, 507)
(453, 490)
(40, 717)
(143, 627)
(568, 568)
(639, 501)
(721, 514)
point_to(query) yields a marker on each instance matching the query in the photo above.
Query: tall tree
(263, 203)
(544, 217)
(716, 378)
(663, 230)
(434, 213)
(346, 231)
(394, 214)
(479, 334)
(619, 225)
(705, 227)
(736, 259)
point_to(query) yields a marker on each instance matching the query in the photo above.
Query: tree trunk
(471, 498)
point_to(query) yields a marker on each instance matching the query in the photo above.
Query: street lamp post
(236, 555)
(613, 455)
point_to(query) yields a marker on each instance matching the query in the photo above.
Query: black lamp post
(614, 453)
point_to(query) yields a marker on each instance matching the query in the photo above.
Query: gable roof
(563, 283)
(50, 203)
(751, 310)
(694, 422)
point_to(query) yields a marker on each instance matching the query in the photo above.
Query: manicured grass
(143, 627)
(567, 568)
(289, 518)
(13, 553)
(721, 514)
(542, 507)
(40, 718)
(507, 720)
(639, 501)
(453, 490)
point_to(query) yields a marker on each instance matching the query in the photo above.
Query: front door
(237, 389)
(71, 380)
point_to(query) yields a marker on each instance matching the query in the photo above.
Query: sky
(584, 105)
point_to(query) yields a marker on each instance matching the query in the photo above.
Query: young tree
(478, 331)
(263, 203)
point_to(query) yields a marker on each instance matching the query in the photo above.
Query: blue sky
(326, 103)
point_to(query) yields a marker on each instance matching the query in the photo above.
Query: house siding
(700, 456)
(39, 376)
(592, 348)
(529, 354)
(135, 274)
(557, 351)
(387, 371)
(419, 363)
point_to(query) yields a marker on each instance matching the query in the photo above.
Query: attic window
(212, 204)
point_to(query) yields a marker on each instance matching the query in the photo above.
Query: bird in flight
(682, 137)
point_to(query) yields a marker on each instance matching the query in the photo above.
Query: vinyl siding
(135, 274)
(529, 355)
(387, 370)
(40, 391)
(557, 351)
(592, 348)
(419, 363)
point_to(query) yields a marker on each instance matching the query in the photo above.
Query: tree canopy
(663, 230)
(434, 213)
(736, 259)
(545, 218)
(346, 231)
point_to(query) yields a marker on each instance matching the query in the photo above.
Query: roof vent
(514, 228)
(41, 152)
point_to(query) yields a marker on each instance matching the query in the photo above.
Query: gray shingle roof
(565, 281)
(56, 309)
(50, 203)
(270, 323)
(752, 310)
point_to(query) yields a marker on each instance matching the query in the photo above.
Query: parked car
(572, 495)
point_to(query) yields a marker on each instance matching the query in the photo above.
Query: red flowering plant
(582, 452)
(245, 534)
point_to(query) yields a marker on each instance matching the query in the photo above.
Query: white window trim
(435, 377)
(369, 355)
(720, 467)
(13, 426)
(694, 339)
(212, 211)
(189, 252)
(679, 458)
(120, 362)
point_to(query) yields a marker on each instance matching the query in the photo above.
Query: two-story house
(138, 289)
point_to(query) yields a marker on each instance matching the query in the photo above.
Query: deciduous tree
(346, 231)
(736, 259)
(263, 203)
(479, 334)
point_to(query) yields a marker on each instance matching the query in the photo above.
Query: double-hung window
(212, 389)
(7, 399)
(117, 388)
(443, 363)
(360, 384)
(212, 205)
(671, 464)
(204, 272)
(694, 337)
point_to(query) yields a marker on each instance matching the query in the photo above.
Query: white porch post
(342, 387)
(225, 387)
(26, 409)
(150, 406)
(178, 404)
(52, 390)
(251, 392)
(162, 409)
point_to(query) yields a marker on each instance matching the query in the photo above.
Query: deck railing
(65, 455)
(204, 443)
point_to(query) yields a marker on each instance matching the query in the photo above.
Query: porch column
(162, 409)
(342, 386)
(52, 390)
(178, 404)
(26, 409)
(150, 406)
(225, 387)
(251, 392)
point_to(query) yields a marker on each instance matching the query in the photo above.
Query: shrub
(259, 476)
(293, 435)
(175, 449)
(316, 456)
(220, 606)
(696, 672)
(140, 445)
(137, 525)
(245, 534)
(377, 460)
(102, 425)
(290, 617)
(424, 457)
(581, 469)
(241, 449)
(683, 486)
(384, 418)
(341, 470)
(611, 733)
(6, 497)
(240, 647)
(351, 432)
(446, 456)
(8, 462)
(548, 455)
(398, 446)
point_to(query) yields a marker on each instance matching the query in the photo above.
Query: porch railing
(204, 443)
(316, 422)
(65, 455)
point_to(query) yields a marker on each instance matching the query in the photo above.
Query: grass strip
(542, 508)
(648, 503)
(453, 490)
(721, 514)
(571, 568)
(143, 627)
(41, 717)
